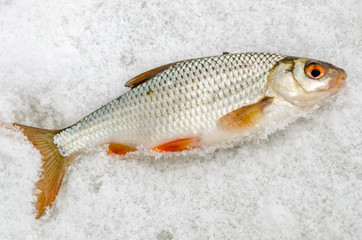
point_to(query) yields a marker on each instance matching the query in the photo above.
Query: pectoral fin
(120, 149)
(178, 145)
(245, 117)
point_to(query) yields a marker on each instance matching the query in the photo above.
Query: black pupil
(315, 72)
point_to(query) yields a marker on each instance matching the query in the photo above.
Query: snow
(60, 60)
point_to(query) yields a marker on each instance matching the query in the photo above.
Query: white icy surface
(60, 60)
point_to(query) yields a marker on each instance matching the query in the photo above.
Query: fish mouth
(339, 81)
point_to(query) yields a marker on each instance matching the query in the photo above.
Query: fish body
(187, 99)
(189, 104)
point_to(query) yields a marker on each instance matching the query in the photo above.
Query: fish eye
(314, 71)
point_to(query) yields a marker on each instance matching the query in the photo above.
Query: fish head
(305, 82)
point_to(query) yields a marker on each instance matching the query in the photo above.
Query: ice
(61, 60)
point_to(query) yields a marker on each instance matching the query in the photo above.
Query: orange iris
(314, 71)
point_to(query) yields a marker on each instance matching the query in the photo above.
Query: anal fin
(245, 117)
(178, 145)
(120, 149)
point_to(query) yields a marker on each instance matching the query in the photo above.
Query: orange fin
(178, 145)
(120, 149)
(245, 117)
(144, 77)
(54, 166)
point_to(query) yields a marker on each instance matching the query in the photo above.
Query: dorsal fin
(144, 77)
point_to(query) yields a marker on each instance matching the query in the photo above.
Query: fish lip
(339, 82)
(339, 85)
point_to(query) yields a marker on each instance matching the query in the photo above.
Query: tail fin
(54, 166)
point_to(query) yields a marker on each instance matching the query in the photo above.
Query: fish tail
(53, 168)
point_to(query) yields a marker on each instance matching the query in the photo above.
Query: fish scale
(185, 99)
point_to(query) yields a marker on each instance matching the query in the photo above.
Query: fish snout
(339, 80)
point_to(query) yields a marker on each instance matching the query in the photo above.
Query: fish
(185, 105)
